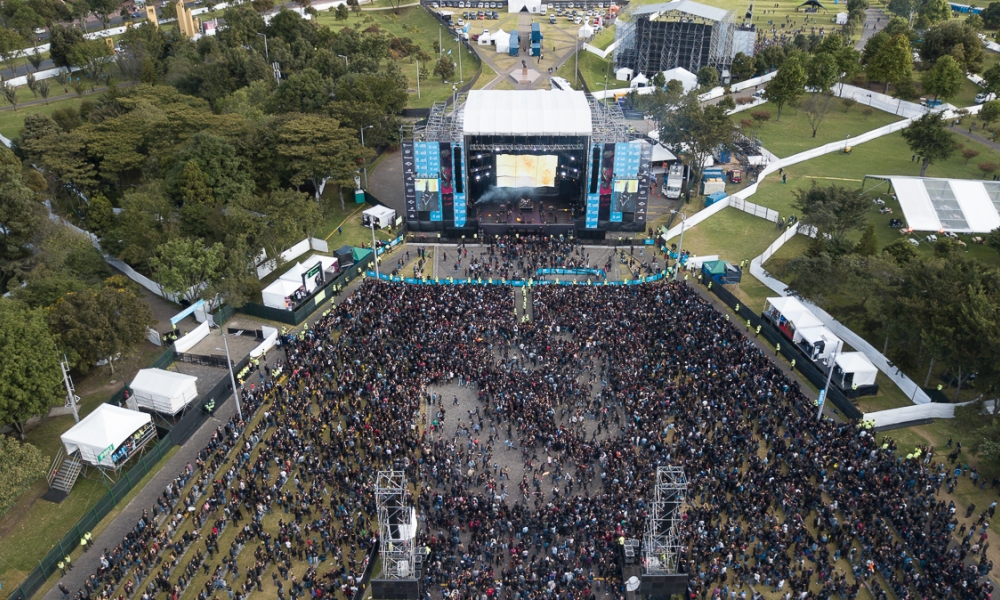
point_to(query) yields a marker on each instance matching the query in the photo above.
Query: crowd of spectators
(529, 495)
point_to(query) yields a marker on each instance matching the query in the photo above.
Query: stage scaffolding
(444, 124)
(650, 42)
(397, 526)
(661, 548)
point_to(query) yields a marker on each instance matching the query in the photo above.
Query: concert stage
(534, 161)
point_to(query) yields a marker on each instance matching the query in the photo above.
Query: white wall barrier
(753, 81)
(270, 340)
(712, 94)
(153, 336)
(755, 209)
(319, 245)
(191, 339)
(267, 267)
(602, 53)
(748, 105)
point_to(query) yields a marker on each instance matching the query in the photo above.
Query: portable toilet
(714, 197)
(724, 156)
(536, 33)
(515, 41)
(536, 49)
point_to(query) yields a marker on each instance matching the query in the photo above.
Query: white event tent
(101, 432)
(163, 391)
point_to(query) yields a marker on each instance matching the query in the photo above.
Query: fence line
(756, 210)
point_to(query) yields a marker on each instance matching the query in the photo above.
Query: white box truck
(673, 183)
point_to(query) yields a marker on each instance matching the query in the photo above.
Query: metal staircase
(64, 472)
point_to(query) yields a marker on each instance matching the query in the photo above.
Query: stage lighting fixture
(479, 156)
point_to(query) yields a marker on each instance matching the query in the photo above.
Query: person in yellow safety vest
(621, 540)
(69, 563)
(758, 331)
(62, 567)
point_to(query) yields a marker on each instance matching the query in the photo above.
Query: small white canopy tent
(502, 39)
(585, 31)
(485, 38)
(164, 391)
(853, 369)
(817, 342)
(103, 431)
(639, 80)
(624, 74)
(688, 79)
(841, 18)
(383, 216)
(789, 315)
(275, 294)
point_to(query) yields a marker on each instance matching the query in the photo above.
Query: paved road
(875, 21)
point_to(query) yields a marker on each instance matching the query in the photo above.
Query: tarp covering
(959, 205)
(164, 391)
(107, 427)
(527, 112)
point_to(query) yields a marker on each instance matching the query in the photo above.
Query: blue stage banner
(515, 282)
(580, 271)
(459, 174)
(593, 209)
(460, 209)
(427, 185)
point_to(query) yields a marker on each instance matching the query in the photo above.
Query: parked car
(985, 97)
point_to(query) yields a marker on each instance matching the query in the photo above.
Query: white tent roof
(163, 391)
(527, 112)
(624, 74)
(585, 31)
(107, 427)
(294, 273)
(380, 212)
(274, 295)
(485, 38)
(660, 154)
(502, 39)
(639, 79)
(685, 6)
(688, 79)
(959, 205)
(818, 333)
(855, 362)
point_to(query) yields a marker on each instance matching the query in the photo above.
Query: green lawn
(793, 134)
(732, 234)
(12, 121)
(593, 69)
(416, 24)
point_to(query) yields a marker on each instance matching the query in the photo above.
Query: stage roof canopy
(685, 6)
(959, 205)
(527, 112)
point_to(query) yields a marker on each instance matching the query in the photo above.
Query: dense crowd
(529, 494)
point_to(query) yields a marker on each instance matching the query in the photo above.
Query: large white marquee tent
(107, 427)
(527, 112)
(956, 205)
(165, 392)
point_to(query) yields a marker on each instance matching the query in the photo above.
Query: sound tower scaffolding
(397, 526)
(662, 544)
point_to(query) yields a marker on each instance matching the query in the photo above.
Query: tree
(903, 8)
(342, 12)
(974, 22)
(868, 244)
(929, 138)
(990, 112)
(316, 149)
(62, 40)
(744, 67)
(698, 130)
(20, 220)
(988, 167)
(953, 39)
(944, 79)
(835, 210)
(991, 79)
(708, 77)
(273, 222)
(9, 94)
(969, 153)
(823, 72)
(816, 107)
(30, 377)
(934, 10)
(100, 324)
(901, 251)
(21, 464)
(993, 239)
(991, 15)
(892, 63)
(444, 68)
(181, 266)
(788, 84)
(307, 92)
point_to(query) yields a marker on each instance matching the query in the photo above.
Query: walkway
(875, 21)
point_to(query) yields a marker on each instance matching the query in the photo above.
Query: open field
(793, 133)
(12, 121)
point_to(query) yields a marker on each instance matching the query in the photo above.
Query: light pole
(347, 63)
(363, 145)
(826, 388)
(371, 223)
(418, 78)
(232, 377)
(266, 55)
(680, 245)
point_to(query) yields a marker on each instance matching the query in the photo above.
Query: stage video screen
(526, 170)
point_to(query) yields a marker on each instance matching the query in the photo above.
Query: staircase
(64, 472)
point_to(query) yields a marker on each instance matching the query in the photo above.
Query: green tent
(721, 271)
(360, 253)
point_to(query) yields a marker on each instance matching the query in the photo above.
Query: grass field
(793, 133)
(12, 121)
(416, 24)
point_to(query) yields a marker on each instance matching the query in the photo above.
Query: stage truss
(650, 52)
(399, 555)
(661, 548)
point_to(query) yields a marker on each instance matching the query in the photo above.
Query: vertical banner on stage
(593, 208)
(646, 182)
(427, 163)
(607, 181)
(409, 181)
(447, 185)
(626, 186)
(461, 208)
